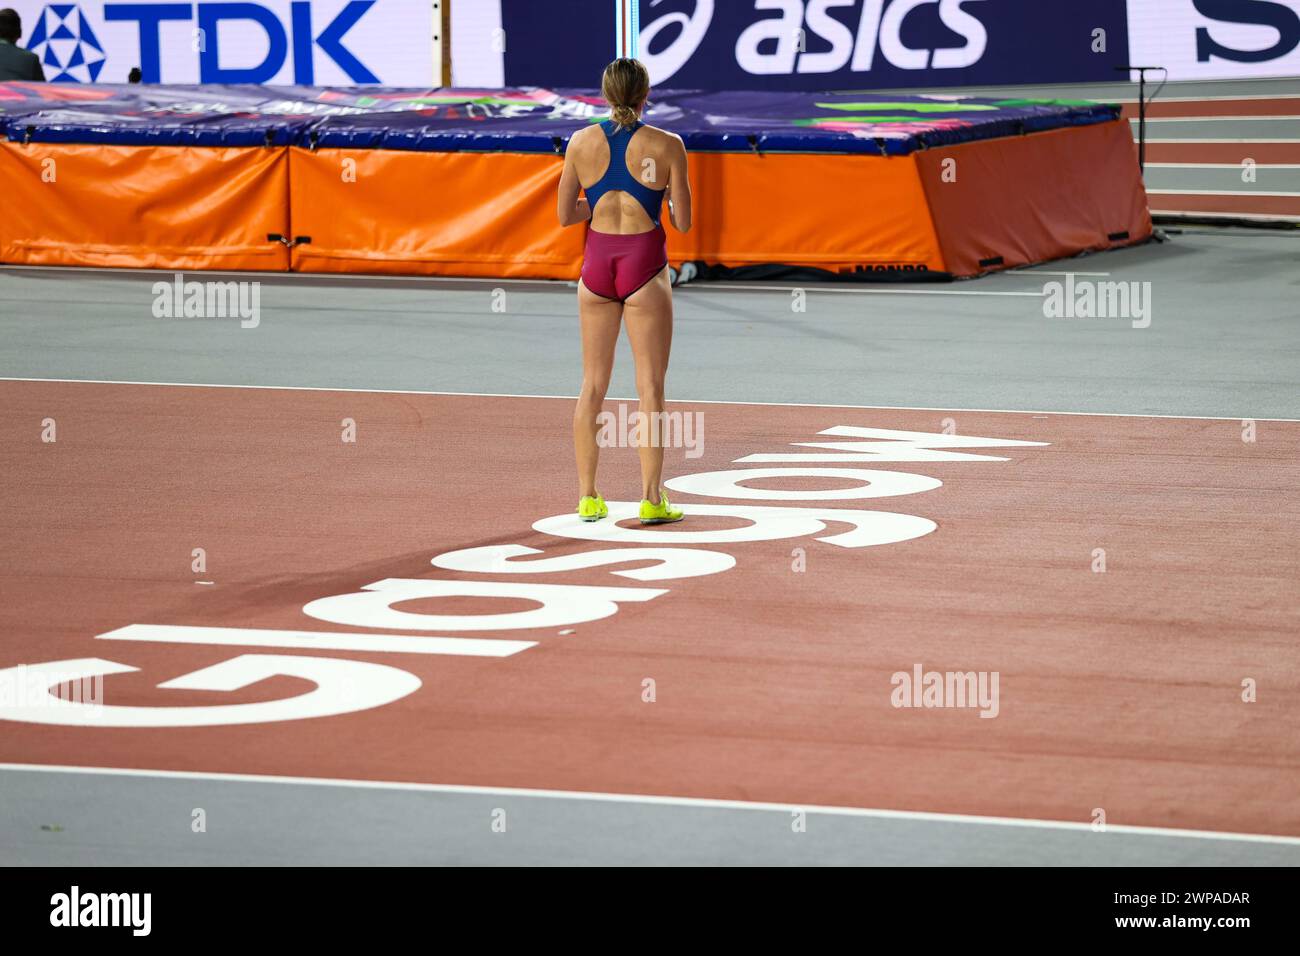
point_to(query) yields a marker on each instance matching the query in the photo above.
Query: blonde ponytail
(626, 84)
(624, 116)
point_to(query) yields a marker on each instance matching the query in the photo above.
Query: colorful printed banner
(523, 119)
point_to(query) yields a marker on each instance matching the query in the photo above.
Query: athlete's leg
(599, 319)
(649, 316)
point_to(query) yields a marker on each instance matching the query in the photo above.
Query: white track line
(1198, 142)
(1033, 271)
(715, 286)
(1261, 216)
(568, 283)
(1213, 99)
(1213, 119)
(855, 290)
(615, 398)
(1236, 166)
(697, 802)
(1219, 192)
(329, 276)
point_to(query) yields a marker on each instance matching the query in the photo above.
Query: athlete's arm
(679, 187)
(570, 207)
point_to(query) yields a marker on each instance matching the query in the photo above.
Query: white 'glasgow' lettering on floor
(346, 686)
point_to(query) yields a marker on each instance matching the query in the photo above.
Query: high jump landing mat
(462, 182)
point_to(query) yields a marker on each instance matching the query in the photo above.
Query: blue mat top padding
(517, 119)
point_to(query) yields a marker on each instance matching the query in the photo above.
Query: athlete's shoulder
(584, 139)
(664, 136)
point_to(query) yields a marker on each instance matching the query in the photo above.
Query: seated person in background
(15, 62)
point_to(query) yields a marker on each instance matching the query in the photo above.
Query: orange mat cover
(961, 209)
(144, 207)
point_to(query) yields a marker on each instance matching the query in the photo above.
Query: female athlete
(625, 168)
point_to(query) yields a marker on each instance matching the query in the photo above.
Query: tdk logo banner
(309, 42)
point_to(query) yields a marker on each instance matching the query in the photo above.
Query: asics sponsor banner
(1216, 39)
(800, 44)
(327, 42)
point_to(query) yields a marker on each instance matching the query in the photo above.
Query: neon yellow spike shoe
(661, 513)
(592, 508)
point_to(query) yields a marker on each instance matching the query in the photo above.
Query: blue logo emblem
(67, 46)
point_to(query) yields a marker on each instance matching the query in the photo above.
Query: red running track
(1120, 690)
(1252, 199)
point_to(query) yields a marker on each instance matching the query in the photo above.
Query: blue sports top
(617, 175)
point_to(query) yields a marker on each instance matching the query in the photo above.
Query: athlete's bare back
(653, 155)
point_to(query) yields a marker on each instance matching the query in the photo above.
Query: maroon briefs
(615, 266)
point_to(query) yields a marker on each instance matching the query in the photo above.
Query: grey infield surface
(1223, 340)
(142, 820)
